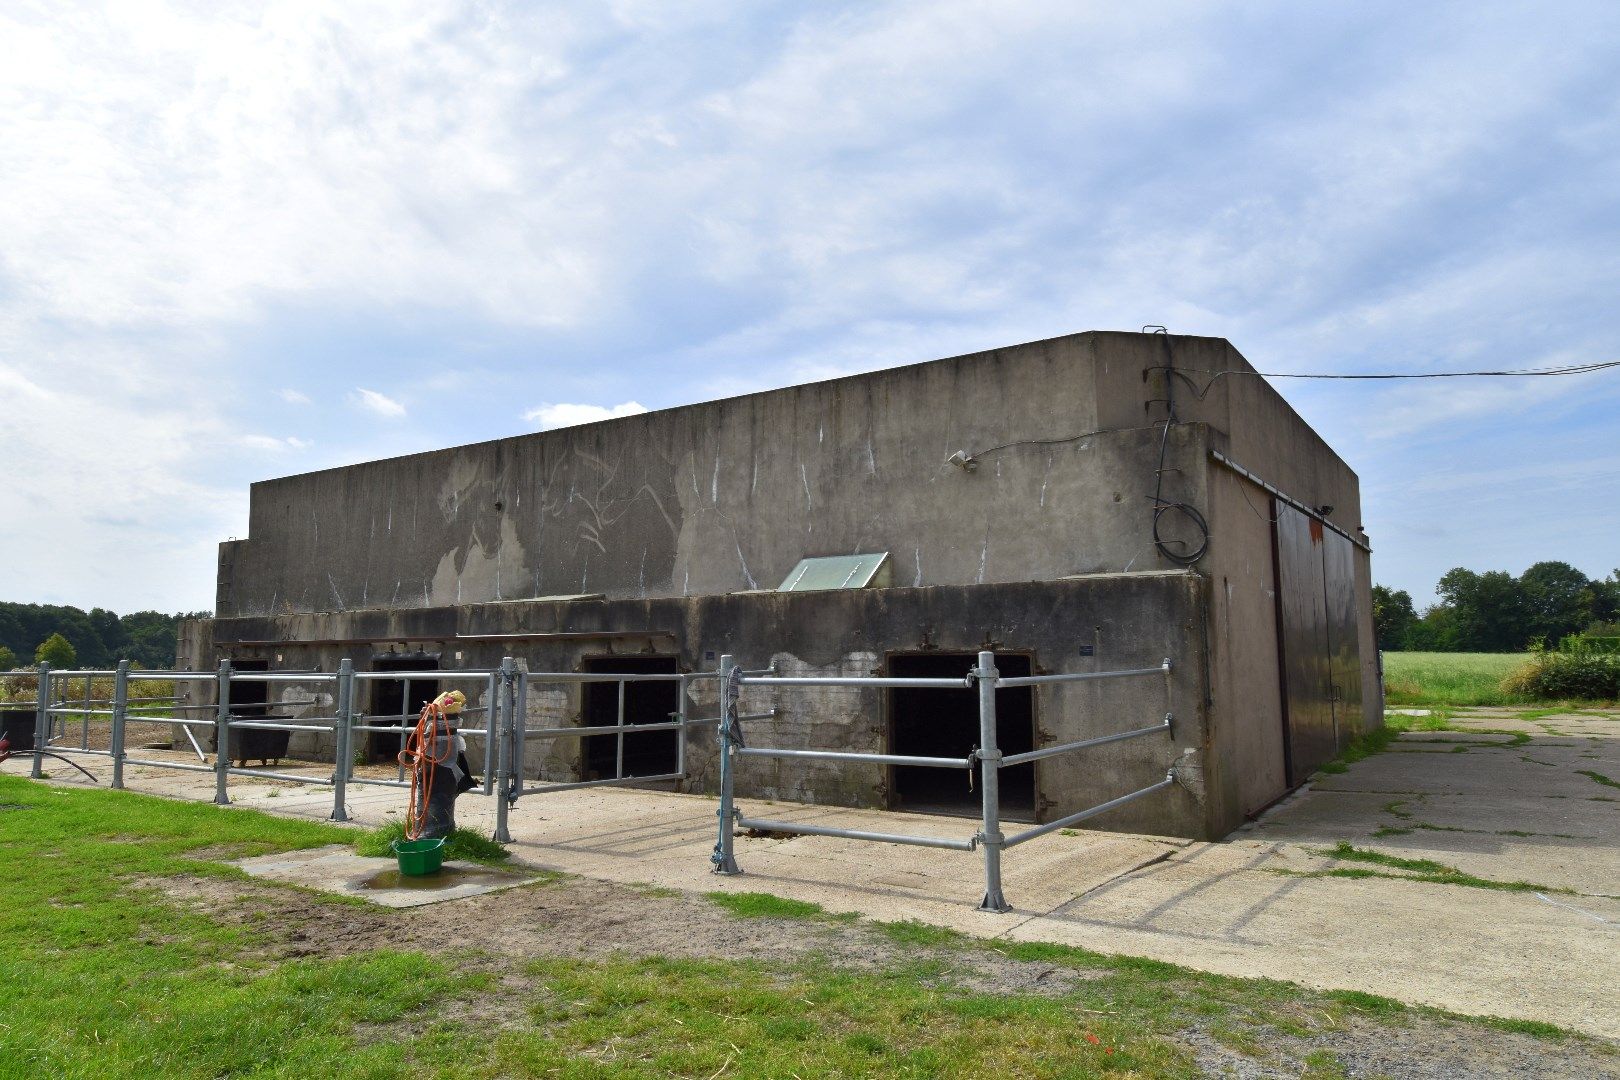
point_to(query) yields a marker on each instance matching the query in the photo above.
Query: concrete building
(1092, 502)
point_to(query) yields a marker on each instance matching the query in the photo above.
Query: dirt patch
(595, 920)
(579, 918)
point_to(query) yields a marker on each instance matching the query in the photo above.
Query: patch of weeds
(1396, 808)
(1367, 1003)
(1437, 720)
(1599, 777)
(463, 844)
(1362, 746)
(1349, 852)
(1424, 870)
(915, 932)
(661, 1017)
(1241, 1040)
(1387, 830)
(758, 905)
(659, 892)
(1323, 1065)
(1540, 1029)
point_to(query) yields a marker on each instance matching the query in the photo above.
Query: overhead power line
(1568, 369)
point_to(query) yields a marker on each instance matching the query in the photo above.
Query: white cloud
(381, 404)
(271, 444)
(569, 415)
(722, 199)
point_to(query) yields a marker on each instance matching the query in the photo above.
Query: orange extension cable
(418, 759)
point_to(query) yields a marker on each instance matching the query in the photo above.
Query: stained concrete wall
(725, 497)
(729, 495)
(1126, 621)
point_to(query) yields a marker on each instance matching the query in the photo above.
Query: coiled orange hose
(419, 760)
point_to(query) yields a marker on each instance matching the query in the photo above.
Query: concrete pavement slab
(338, 869)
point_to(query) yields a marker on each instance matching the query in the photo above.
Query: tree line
(98, 638)
(1497, 612)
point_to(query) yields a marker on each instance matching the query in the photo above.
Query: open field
(1420, 678)
(136, 949)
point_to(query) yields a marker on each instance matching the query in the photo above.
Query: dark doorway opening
(397, 703)
(649, 753)
(251, 701)
(943, 722)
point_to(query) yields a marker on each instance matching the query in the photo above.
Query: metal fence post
(683, 730)
(120, 708)
(42, 717)
(491, 692)
(618, 750)
(502, 704)
(222, 734)
(724, 859)
(343, 736)
(989, 755)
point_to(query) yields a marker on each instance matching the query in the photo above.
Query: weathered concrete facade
(678, 519)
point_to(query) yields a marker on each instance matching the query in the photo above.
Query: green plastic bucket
(419, 857)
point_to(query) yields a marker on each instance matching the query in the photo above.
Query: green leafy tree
(8, 659)
(1489, 610)
(1393, 617)
(1558, 600)
(1605, 601)
(1434, 631)
(56, 651)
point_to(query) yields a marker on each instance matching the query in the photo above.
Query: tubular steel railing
(505, 732)
(986, 680)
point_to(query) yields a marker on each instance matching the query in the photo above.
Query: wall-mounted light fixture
(962, 461)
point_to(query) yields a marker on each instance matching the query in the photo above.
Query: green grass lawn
(104, 974)
(1420, 678)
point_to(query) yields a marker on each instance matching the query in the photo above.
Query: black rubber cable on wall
(1190, 553)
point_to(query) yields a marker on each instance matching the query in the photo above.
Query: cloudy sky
(239, 241)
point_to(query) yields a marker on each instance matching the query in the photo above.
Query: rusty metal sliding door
(1302, 624)
(1344, 642)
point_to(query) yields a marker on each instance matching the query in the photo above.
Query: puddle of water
(447, 878)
